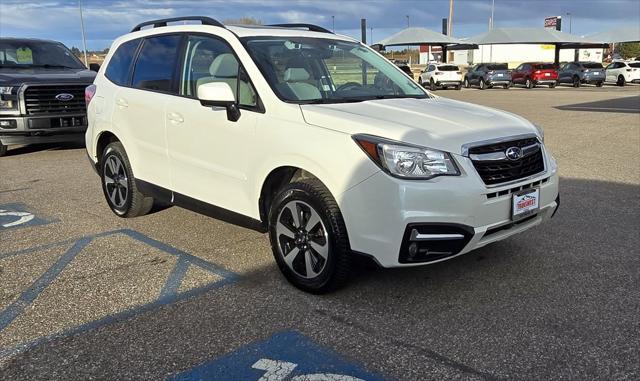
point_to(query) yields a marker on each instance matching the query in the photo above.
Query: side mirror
(94, 67)
(219, 94)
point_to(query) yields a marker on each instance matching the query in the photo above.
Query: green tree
(76, 52)
(629, 49)
(243, 21)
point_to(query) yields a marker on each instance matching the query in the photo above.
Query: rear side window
(156, 64)
(634, 64)
(119, 65)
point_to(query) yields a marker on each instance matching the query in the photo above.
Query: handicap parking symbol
(285, 356)
(17, 215)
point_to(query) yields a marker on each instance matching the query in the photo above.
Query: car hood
(12, 77)
(438, 123)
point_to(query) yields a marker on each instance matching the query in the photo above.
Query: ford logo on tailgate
(64, 97)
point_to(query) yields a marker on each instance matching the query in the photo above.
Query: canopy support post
(444, 53)
(556, 57)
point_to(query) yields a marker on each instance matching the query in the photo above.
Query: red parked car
(531, 74)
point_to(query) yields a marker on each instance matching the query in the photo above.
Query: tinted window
(592, 65)
(156, 63)
(543, 66)
(634, 64)
(431, 68)
(119, 65)
(448, 68)
(211, 60)
(498, 67)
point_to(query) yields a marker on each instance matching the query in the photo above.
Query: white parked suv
(441, 75)
(622, 72)
(314, 138)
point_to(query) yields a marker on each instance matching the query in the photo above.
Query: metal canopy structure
(418, 36)
(629, 33)
(501, 36)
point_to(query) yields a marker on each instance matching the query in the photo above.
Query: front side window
(119, 65)
(212, 60)
(314, 70)
(42, 54)
(155, 67)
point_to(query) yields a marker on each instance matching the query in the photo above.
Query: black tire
(621, 81)
(134, 203)
(3, 149)
(576, 81)
(507, 86)
(599, 84)
(552, 85)
(466, 83)
(420, 81)
(335, 270)
(528, 83)
(481, 84)
(458, 87)
(432, 85)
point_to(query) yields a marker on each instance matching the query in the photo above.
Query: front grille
(41, 100)
(502, 171)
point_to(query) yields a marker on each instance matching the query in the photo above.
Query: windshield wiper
(335, 100)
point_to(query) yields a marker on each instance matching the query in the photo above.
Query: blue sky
(107, 19)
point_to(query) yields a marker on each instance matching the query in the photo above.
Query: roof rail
(163, 22)
(310, 27)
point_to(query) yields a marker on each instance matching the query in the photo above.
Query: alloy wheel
(302, 239)
(116, 181)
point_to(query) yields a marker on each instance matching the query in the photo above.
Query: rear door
(140, 108)
(516, 76)
(209, 155)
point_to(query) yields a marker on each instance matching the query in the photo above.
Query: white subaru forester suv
(314, 138)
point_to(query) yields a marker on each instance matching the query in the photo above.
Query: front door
(208, 154)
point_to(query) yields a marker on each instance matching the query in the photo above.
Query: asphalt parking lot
(86, 295)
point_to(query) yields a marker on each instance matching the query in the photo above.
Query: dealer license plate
(547, 74)
(500, 75)
(525, 203)
(596, 73)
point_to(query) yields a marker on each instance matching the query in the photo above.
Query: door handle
(175, 118)
(122, 103)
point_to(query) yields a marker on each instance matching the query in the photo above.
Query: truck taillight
(89, 92)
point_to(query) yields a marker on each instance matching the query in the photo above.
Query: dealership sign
(554, 22)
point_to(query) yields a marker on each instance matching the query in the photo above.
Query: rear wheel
(506, 86)
(118, 184)
(599, 84)
(458, 87)
(552, 85)
(432, 85)
(466, 83)
(309, 238)
(482, 85)
(3, 149)
(528, 83)
(576, 81)
(621, 81)
(420, 81)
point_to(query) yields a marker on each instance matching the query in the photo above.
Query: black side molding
(167, 196)
(309, 27)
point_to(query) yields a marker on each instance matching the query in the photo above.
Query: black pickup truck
(41, 93)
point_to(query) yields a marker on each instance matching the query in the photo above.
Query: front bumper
(381, 211)
(43, 129)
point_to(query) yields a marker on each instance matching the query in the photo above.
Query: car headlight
(540, 131)
(405, 160)
(6, 99)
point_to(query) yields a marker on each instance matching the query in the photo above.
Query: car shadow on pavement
(617, 105)
(31, 148)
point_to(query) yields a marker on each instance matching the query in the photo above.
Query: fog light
(8, 124)
(413, 250)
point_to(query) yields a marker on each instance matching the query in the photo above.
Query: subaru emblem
(513, 153)
(64, 97)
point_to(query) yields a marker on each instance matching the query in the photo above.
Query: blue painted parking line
(169, 293)
(16, 215)
(287, 355)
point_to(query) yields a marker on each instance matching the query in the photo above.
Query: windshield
(314, 70)
(498, 67)
(592, 65)
(28, 54)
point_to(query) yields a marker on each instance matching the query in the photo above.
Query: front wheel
(432, 85)
(599, 84)
(506, 86)
(482, 85)
(119, 186)
(552, 85)
(528, 83)
(466, 83)
(309, 238)
(576, 81)
(621, 81)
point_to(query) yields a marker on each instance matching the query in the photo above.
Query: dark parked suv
(41, 93)
(578, 73)
(488, 75)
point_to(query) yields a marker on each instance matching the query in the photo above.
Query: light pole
(407, 21)
(333, 24)
(570, 19)
(84, 40)
(493, 5)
